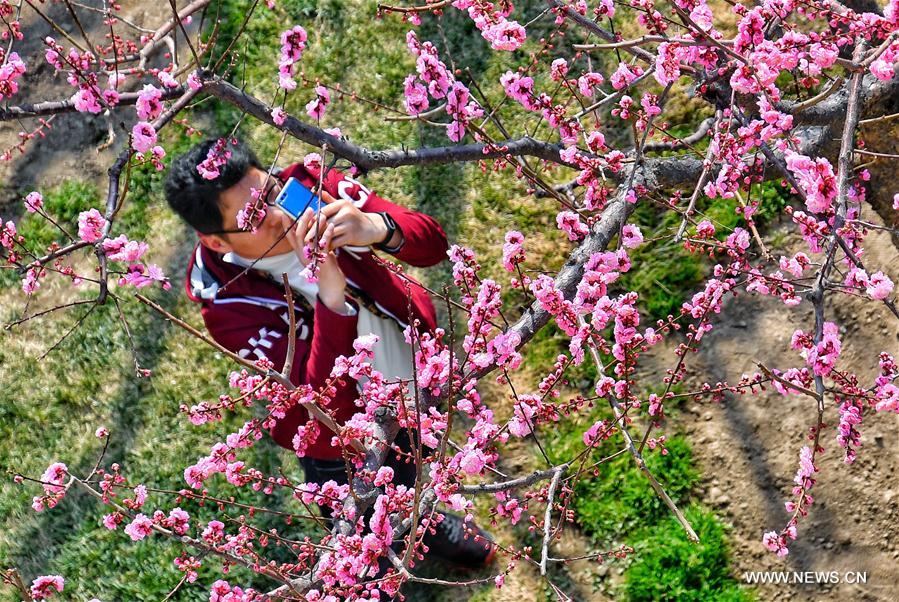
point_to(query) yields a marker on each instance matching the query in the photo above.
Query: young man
(245, 310)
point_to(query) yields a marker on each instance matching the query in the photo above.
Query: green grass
(667, 566)
(618, 506)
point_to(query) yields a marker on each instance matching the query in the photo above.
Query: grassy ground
(88, 380)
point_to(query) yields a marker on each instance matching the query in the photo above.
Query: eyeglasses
(268, 200)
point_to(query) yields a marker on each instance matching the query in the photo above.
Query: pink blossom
(558, 70)
(30, 282)
(896, 202)
(140, 275)
(86, 101)
(279, 116)
(8, 235)
(519, 88)
(42, 587)
(384, 476)
(667, 63)
(472, 461)
(624, 75)
(705, 229)
(217, 156)
(112, 521)
(416, 94)
(178, 521)
(34, 201)
(587, 82)
(194, 82)
(139, 528)
(90, 225)
(101, 432)
(815, 178)
(149, 103)
(167, 80)
(122, 249)
(631, 236)
(879, 286)
(143, 136)
(505, 35)
(215, 531)
(775, 543)
(315, 108)
(312, 161)
(571, 224)
(10, 71)
(293, 43)
(513, 254)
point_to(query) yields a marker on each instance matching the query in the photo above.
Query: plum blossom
(416, 94)
(140, 275)
(193, 81)
(43, 587)
(631, 236)
(143, 136)
(558, 70)
(293, 43)
(139, 528)
(10, 71)
(90, 225)
(149, 103)
(506, 35)
(122, 249)
(587, 82)
(815, 178)
(279, 116)
(571, 224)
(216, 157)
(315, 108)
(625, 75)
(513, 254)
(879, 286)
(34, 201)
(30, 282)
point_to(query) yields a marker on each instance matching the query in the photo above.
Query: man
(235, 275)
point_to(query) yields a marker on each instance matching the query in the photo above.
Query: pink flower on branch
(34, 201)
(149, 103)
(139, 528)
(315, 108)
(293, 43)
(216, 157)
(143, 136)
(90, 225)
(11, 70)
(46, 586)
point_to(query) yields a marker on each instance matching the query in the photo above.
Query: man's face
(268, 240)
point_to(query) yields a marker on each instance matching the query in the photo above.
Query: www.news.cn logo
(819, 577)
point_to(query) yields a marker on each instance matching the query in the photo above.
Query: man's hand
(353, 226)
(331, 281)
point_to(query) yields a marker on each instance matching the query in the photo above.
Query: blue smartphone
(294, 198)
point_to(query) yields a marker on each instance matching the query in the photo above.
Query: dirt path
(747, 447)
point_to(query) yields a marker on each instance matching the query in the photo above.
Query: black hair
(195, 198)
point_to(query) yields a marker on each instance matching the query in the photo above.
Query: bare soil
(748, 446)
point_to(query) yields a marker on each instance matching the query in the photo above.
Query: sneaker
(465, 545)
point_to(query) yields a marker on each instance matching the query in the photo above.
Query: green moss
(667, 566)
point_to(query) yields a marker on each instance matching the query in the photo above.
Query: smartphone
(294, 198)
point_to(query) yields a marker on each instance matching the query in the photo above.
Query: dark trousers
(320, 471)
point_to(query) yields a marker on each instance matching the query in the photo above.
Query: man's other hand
(331, 281)
(354, 227)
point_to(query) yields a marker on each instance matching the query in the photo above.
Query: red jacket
(249, 317)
